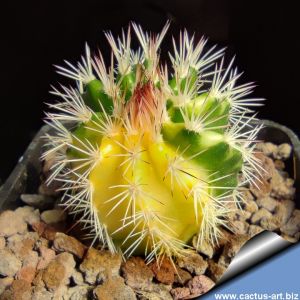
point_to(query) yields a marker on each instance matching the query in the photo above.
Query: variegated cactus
(150, 158)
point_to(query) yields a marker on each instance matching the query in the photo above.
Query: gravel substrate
(39, 260)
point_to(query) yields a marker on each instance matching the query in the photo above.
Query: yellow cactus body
(156, 188)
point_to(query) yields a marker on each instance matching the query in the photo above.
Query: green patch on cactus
(94, 94)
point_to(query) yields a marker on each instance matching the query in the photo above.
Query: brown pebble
(270, 224)
(215, 271)
(254, 230)
(250, 206)
(203, 246)
(47, 255)
(284, 210)
(267, 202)
(232, 248)
(53, 275)
(292, 227)
(163, 270)
(282, 188)
(19, 290)
(5, 282)
(100, 265)
(136, 273)
(193, 262)
(239, 227)
(200, 285)
(260, 214)
(262, 188)
(21, 245)
(26, 273)
(114, 289)
(46, 231)
(180, 293)
(182, 276)
(63, 242)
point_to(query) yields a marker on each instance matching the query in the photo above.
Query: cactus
(149, 158)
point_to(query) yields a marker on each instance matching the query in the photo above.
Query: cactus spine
(148, 158)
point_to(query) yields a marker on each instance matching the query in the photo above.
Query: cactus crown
(148, 159)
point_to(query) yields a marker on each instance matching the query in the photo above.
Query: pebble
(239, 227)
(26, 273)
(164, 271)
(215, 270)
(156, 292)
(182, 276)
(54, 275)
(268, 166)
(99, 266)
(268, 149)
(262, 188)
(37, 200)
(254, 230)
(77, 277)
(281, 187)
(40, 293)
(231, 248)
(200, 285)
(250, 206)
(28, 214)
(63, 242)
(260, 214)
(22, 245)
(19, 289)
(4, 283)
(270, 224)
(46, 256)
(267, 202)
(283, 152)
(78, 292)
(292, 227)
(114, 289)
(31, 259)
(203, 247)
(284, 210)
(136, 273)
(53, 216)
(59, 271)
(180, 293)
(9, 263)
(46, 231)
(11, 224)
(193, 262)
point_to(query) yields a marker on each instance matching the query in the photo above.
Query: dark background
(37, 34)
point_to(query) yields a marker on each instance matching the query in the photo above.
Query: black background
(36, 34)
